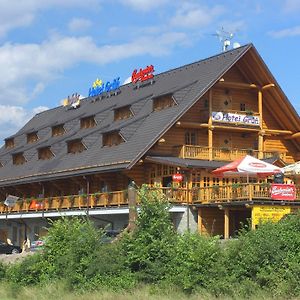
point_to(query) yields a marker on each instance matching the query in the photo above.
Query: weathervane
(225, 38)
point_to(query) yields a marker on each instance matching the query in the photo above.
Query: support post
(132, 206)
(226, 223)
(200, 220)
(260, 136)
(210, 130)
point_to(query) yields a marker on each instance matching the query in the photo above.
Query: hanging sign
(219, 116)
(283, 191)
(72, 101)
(11, 201)
(99, 87)
(177, 177)
(143, 74)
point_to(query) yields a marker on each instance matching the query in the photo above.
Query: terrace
(203, 195)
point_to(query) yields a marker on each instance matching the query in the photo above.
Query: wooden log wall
(212, 222)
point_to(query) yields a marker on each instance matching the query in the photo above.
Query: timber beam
(293, 136)
(236, 85)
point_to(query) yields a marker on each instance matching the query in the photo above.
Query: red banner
(177, 177)
(283, 191)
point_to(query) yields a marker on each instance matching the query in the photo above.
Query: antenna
(224, 37)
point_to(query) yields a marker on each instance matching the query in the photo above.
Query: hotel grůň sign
(234, 118)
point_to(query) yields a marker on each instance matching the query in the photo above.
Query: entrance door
(3, 235)
(167, 181)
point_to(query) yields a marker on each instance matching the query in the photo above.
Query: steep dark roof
(187, 84)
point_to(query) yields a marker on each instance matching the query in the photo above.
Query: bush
(195, 262)
(267, 258)
(151, 247)
(2, 271)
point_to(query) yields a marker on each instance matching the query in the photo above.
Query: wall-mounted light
(162, 140)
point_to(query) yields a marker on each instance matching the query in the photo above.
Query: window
(87, 122)
(242, 107)
(123, 113)
(45, 153)
(75, 146)
(191, 138)
(32, 137)
(163, 102)
(112, 139)
(58, 130)
(18, 158)
(9, 143)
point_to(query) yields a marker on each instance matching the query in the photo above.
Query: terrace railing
(226, 154)
(202, 195)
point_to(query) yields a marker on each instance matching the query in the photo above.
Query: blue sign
(99, 87)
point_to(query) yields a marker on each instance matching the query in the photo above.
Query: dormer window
(45, 153)
(163, 102)
(18, 158)
(87, 122)
(76, 146)
(123, 113)
(32, 137)
(9, 143)
(58, 130)
(112, 139)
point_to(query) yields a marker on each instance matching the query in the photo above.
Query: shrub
(195, 262)
(150, 248)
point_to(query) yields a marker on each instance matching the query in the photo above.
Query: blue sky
(52, 48)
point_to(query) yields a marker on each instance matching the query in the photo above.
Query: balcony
(226, 154)
(203, 195)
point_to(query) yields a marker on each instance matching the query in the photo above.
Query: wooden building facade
(186, 121)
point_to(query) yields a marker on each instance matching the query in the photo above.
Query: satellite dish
(236, 45)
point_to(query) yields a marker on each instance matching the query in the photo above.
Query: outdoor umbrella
(292, 170)
(247, 166)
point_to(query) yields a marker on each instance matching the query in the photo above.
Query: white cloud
(127, 80)
(22, 13)
(12, 118)
(144, 5)
(41, 63)
(291, 6)
(79, 24)
(288, 32)
(193, 15)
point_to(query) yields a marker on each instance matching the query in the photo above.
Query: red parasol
(247, 166)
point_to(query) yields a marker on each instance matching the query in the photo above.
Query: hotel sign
(234, 118)
(99, 87)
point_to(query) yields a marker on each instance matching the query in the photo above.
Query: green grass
(59, 292)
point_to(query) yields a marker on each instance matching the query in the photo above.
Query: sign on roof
(99, 87)
(218, 116)
(72, 101)
(143, 74)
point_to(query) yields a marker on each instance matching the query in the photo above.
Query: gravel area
(12, 258)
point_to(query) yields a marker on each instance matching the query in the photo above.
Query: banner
(283, 191)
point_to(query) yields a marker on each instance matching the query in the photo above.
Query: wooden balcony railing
(201, 152)
(212, 194)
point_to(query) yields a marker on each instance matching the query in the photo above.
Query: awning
(185, 163)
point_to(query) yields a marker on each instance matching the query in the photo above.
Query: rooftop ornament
(72, 101)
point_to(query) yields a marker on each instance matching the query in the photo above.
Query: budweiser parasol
(292, 170)
(247, 166)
